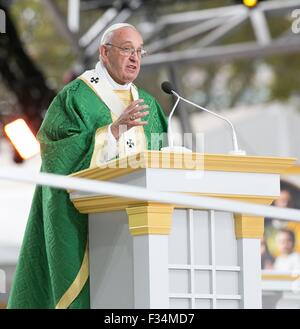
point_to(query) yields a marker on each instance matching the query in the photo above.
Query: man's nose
(134, 56)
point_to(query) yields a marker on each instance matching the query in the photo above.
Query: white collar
(102, 71)
(100, 85)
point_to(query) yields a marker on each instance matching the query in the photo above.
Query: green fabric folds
(56, 233)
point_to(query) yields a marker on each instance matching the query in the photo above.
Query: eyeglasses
(129, 51)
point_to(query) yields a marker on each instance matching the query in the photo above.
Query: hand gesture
(130, 118)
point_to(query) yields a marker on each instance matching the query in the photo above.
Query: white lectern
(150, 255)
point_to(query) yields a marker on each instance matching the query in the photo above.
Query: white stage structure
(146, 254)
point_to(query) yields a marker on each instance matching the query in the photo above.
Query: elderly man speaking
(97, 117)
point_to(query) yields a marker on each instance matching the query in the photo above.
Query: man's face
(122, 68)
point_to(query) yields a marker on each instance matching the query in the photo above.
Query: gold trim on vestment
(75, 288)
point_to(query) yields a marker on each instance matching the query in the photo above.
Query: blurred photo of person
(288, 259)
(289, 196)
(267, 260)
(285, 200)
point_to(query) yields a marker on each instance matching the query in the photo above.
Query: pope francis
(97, 117)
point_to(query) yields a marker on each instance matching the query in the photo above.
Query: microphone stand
(171, 147)
(235, 151)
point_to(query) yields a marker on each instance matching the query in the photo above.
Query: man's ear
(103, 52)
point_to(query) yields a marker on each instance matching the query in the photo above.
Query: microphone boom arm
(234, 137)
(170, 140)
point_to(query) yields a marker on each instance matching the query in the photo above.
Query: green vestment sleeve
(55, 239)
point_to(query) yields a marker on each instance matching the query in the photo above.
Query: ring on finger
(132, 117)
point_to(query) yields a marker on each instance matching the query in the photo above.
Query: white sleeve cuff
(112, 145)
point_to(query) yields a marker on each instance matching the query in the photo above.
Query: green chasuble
(56, 235)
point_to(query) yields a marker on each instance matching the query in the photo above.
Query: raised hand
(130, 118)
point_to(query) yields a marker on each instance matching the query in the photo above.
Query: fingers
(135, 107)
(140, 114)
(138, 109)
(137, 112)
(138, 123)
(136, 102)
(133, 114)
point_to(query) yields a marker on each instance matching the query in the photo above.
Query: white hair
(108, 33)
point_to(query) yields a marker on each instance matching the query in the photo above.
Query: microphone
(167, 87)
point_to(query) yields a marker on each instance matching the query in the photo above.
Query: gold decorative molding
(258, 199)
(107, 203)
(246, 226)
(187, 161)
(154, 219)
(280, 277)
(294, 170)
